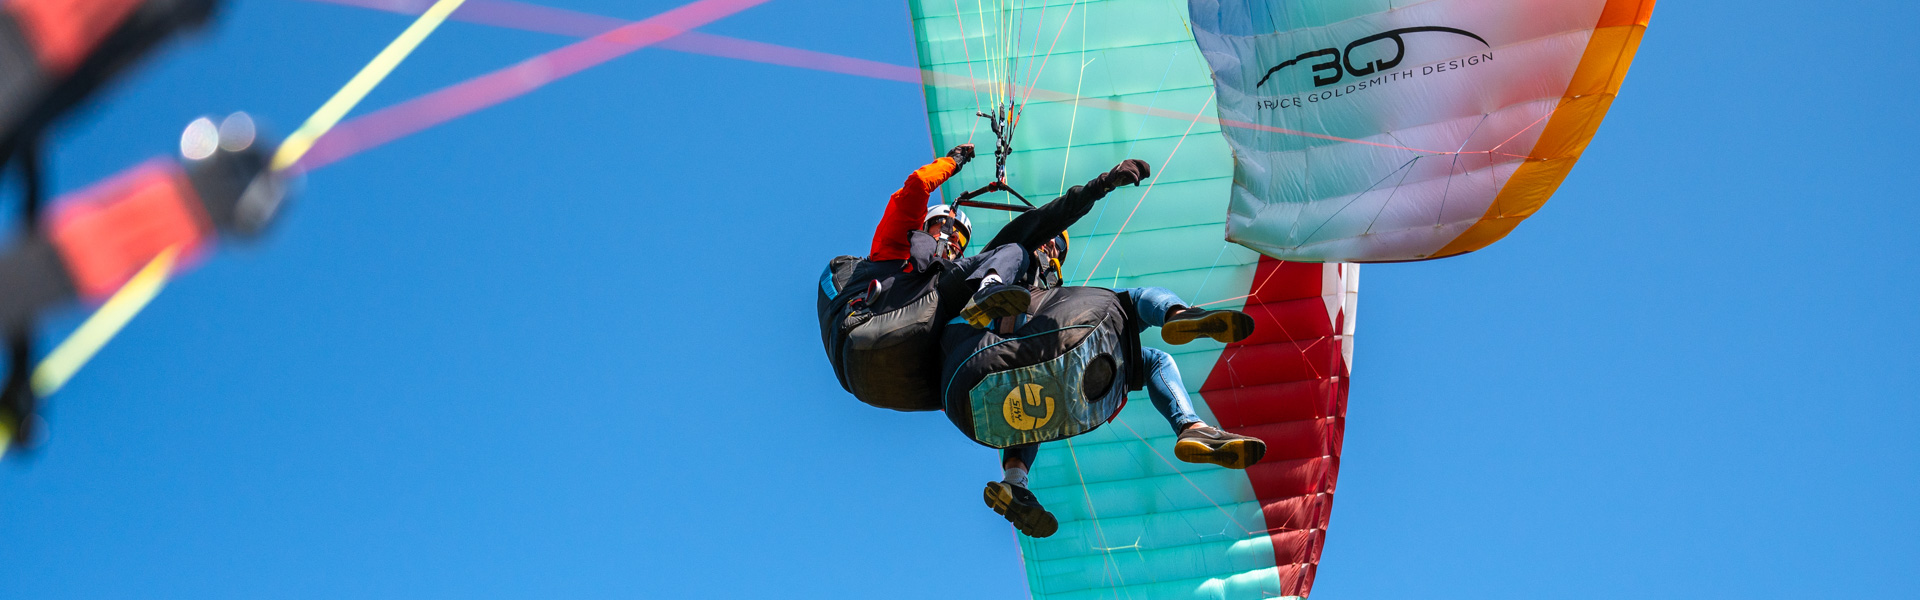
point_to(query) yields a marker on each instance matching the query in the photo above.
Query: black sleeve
(1033, 228)
(922, 250)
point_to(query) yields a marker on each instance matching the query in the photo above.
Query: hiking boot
(1020, 508)
(1222, 325)
(1205, 444)
(995, 301)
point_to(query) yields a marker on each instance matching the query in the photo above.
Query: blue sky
(564, 347)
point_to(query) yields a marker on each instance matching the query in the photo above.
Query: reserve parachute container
(1063, 371)
(887, 359)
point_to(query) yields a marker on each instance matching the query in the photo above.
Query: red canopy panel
(1287, 385)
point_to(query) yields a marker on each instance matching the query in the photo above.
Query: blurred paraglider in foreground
(97, 241)
(117, 242)
(54, 55)
(129, 233)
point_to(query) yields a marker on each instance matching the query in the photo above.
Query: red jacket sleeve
(907, 210)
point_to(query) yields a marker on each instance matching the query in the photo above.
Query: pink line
(512, 15)
(559, 21)
(1516, 134)
(1174, 114)
(458, 100)
(672, 31)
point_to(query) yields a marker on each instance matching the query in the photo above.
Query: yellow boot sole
(1223, 326)
(1003, 304)
(1237, 454)
(1033, 521)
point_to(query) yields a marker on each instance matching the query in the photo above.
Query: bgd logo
(1027, 407)
(1339, 62)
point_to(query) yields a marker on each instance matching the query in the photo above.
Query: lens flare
(200, 139)
(236, 132)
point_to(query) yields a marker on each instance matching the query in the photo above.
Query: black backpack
(1062, 371)
(887, 356)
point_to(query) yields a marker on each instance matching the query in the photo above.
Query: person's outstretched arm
(907, 207)
(1033, 228)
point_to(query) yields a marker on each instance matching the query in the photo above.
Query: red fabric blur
(65, 31)
(109, 231)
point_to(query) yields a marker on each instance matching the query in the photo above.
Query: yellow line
(58, 367)
(343, 101)
(67, 358)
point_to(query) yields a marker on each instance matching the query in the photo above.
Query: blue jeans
(1152, 303)
(1164, 386)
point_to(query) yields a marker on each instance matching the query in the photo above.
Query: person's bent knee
(1156, 359)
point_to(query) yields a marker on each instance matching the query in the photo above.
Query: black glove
(961, 154)
(1131, 171)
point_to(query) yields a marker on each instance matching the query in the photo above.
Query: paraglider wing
(1371, 131)
(1135, 522)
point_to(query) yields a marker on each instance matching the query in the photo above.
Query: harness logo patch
(1338, 62)
(1027, 407)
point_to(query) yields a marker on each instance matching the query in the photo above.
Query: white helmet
(954, 231)
(959, 218)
